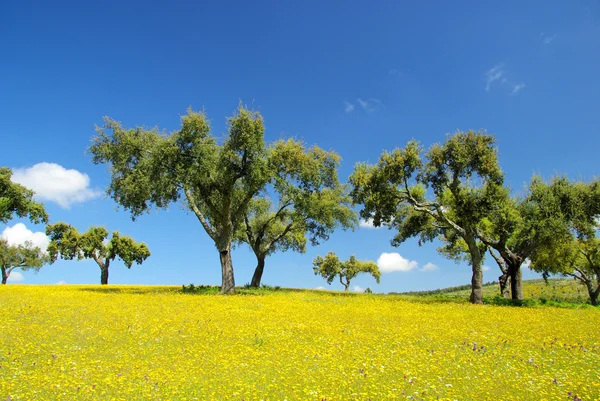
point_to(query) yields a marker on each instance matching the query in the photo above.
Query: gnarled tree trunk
(516, 281)
(476, 267)
(593, 292)
(258, 272)
(504, 281)
(228, 282)
(4, 275)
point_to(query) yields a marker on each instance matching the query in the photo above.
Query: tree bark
(516, 281)
(346, 286)
(104, 275)
(593, 292)
(228, 282)
(504, 285)
(4, 275)
(476, 267)
(258, 272)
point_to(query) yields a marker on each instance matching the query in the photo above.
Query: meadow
(159, 343)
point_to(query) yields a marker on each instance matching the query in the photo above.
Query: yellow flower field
(156, 343)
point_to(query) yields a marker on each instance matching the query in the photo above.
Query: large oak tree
(214, 179)
(445, 196)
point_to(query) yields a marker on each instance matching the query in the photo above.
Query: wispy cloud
(394, 73)
(357, 288)
(498, 74)
(517, 88)
(547, 39)
(370, 105)
(348, 107)
(493, 74)
(485, 268)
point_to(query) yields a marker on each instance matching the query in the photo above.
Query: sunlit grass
(157, 343)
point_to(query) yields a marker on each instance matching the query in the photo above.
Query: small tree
(331, 267)
(17, 200)
(465, 185)
(67, 243)
(24, 256)
(311, 203)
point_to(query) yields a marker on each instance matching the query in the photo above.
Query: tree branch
(199, 215)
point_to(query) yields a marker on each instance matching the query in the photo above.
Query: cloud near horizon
(15, 277)
(394, 262)
(52, 182)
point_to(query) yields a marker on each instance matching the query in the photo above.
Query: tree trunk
(504, 285)
(4, 275)
(104, 275)
(593, 292)
(516, 281)
(476, 267)
(258, 272)
(346, 286)
(228, 282)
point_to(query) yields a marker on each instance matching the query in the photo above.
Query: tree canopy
(68, 244)
(16, 200)
(576, 251)
(307, 204)
(216, 181)
(330, 267)
(445, 196)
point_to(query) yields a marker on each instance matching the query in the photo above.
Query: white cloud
(52, 182)
(357, 288)
(485, 268)
(19, 234)
(493, 74)
(517, 88)
(394, 262)
(319, 288)
(61, 282)
(15, 277)
(429, 267)
(368, 223)
(370, 104)
(348, 107)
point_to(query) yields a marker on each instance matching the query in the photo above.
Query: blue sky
(355, 77)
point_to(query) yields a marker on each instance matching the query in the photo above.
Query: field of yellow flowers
(157, 343)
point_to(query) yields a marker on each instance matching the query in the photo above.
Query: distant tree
(446, 197)
(24, 257)
(17, 200)
(68, 244)
(576, 252)
(310, 204)
(331, 267)
(216, 181)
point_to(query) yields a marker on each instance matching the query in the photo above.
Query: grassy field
(561, 292)
(158, 343)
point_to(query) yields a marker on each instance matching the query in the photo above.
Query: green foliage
(446, 196)
(67, 243)
(576, 251)
(17, 200)
(310, 203)
(24, 257)
(216, 181)
(331, 267)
